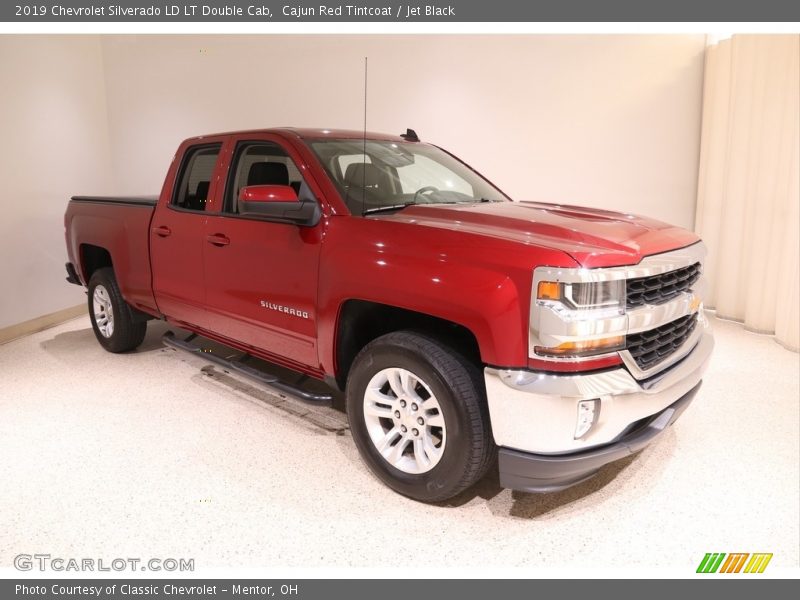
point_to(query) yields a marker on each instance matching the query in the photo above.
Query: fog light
(588, 411)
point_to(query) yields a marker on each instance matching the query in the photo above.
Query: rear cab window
(194, 179)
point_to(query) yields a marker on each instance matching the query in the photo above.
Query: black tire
(128, 329)
(458, 387)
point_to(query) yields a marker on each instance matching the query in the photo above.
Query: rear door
(261, 277)
(177, 233)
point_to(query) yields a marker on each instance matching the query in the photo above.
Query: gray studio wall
(611, 121)
(608, 121)
(54, 144)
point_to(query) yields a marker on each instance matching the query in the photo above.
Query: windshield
(379, 176)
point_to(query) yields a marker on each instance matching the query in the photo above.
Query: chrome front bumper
(550, 473)
(537, 412)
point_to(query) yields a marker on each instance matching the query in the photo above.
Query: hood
(592, 237)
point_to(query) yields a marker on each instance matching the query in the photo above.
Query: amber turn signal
(548, 290)
(584, 347)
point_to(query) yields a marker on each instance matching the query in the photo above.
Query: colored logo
(734, 563)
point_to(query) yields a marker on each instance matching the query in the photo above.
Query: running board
(269, 381)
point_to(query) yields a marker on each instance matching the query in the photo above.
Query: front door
(261, 277)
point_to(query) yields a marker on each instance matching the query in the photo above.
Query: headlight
(581, 296)
(583, 300)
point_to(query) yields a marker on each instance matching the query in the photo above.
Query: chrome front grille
(657, 289)
(660, 290)
(649, 348)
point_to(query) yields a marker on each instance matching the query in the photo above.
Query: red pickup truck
(466, 329)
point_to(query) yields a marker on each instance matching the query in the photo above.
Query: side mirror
(278, 203)
(258, 194)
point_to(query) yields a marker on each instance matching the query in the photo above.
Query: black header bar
(386, 11)
(377, 589)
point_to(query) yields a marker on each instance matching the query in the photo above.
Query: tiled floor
(146, 454)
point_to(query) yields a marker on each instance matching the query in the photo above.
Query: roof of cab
(313, 134)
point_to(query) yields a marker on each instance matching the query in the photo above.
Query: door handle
(218, 239)
(161, 231)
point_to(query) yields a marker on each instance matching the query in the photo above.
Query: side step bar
(269, 381)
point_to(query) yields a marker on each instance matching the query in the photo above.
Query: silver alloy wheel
(103, 311)
(404, 420)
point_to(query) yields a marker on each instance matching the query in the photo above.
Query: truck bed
(120, 226)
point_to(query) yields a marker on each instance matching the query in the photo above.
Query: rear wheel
(418, 416)
(114, 322)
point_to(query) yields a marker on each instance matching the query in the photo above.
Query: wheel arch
(361, 321)
(92, 258)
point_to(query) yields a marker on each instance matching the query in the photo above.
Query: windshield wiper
(378, 209)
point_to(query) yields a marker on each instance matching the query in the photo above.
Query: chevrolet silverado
(465, 329)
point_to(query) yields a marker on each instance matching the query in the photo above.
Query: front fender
(484, 288)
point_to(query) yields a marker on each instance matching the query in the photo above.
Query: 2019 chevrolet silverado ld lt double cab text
(465, 328)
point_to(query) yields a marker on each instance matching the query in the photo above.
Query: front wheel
(115, 325)
(418, 415)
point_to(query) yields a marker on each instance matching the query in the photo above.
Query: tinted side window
(194, 180)
(262, 163)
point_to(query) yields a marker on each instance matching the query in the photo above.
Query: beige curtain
(748, 202)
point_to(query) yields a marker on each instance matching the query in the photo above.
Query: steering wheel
(424, 190)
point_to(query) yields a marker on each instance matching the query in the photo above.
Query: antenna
(364, 148)
(410, 136)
